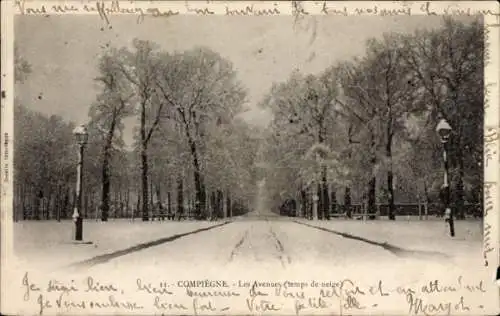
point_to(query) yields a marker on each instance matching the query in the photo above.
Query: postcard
(250, 158)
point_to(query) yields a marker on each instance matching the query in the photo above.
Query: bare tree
(358, 107)
(381, 90)
(304, 113)
(140, 68)
(198, 86)
(111, 107)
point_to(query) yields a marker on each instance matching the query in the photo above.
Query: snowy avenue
(256, 242)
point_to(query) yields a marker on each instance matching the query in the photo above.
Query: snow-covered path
(277, 249)
(273, 243)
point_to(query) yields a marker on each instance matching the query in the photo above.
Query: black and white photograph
(249, 162)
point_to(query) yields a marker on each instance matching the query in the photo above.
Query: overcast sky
(62, 50)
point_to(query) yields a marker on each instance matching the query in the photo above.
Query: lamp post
(316, 187)
(444, 131)
(81, 136)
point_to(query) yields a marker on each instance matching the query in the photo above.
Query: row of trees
(361, 124)
(364, 128)
(189, 141)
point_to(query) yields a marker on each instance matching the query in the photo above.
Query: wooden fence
(423, 210)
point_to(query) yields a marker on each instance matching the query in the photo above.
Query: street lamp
(444, 131)
(81, 136)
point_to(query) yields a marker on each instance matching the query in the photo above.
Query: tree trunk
(228, 202)
(333, 201)
(371, 204)
(427, 200)
(138, 205)
(145, 186)
(94, 202)
(390, 187)
(106, 175)
(180, 196)
(73, 200)
(220, 201)
(121, 197)
(158, 191)
(24, 201)
(348, 202)
(47, 205)
(105, 188)
(116, 205)
(458, 196)
(65, 204)
(347, 192)
(127, 201)
(224, 206)
(310, 204)
(144, 164)
(319, 192)
(151, 201)
(59, 203)
(303, 201)
(371, 207)
(200, 196)
(169, 203)
(459, 188)
(37, 203)
(325, 198)
(190, 206)
(213, 206)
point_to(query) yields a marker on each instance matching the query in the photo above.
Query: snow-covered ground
(49, 243)
(247, 249)
(426, 235)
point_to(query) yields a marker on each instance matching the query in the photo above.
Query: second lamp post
(444, 131)
(81, 136)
